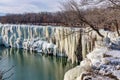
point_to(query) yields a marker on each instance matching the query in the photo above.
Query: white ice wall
(63, 41)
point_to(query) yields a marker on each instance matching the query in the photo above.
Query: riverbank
(103, 63)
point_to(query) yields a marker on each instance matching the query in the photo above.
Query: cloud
(22, 6)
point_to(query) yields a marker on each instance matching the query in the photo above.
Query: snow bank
(103, 63)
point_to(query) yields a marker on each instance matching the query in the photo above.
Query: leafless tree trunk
(73, 6)
(117, 27)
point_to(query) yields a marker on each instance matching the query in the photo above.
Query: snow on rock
(79, 70)
(73, 73)
(108, 64)
(40, 46)
(116, 73)
(114, 53)
(104, 64)
(96, 55)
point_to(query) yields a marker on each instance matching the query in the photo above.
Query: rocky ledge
(103, 63)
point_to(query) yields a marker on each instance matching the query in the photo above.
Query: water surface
(32, 66)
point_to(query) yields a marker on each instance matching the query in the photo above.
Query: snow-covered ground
(103, 63)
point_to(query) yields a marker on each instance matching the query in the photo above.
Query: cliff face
(43, 39)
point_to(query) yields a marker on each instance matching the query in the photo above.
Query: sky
(26, 6)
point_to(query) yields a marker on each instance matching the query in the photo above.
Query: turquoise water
(32, 66)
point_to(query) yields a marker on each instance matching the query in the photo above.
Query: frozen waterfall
(59, 41)
(42, 39)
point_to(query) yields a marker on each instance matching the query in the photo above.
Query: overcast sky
(22, 6)
(26, 6)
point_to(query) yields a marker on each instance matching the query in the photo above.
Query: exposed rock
(83, 75)
(87, 78)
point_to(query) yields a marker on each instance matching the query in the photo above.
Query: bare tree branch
(75, 7)
(115, 3)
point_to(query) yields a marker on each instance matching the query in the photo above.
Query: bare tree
(115, 19)
(100, 16)
(74, 7)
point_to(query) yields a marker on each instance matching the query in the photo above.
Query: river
(29, 65)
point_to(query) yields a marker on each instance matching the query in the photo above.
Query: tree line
(32, 18)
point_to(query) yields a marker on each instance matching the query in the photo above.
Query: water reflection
(32, 66)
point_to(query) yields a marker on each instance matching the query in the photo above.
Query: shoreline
(103, 63)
